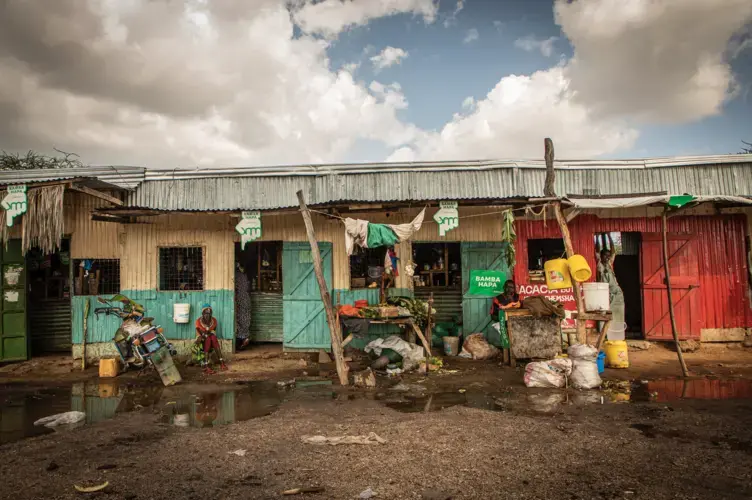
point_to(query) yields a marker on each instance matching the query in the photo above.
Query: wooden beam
(97, 194)
(107, 218)
(334, 333)
(664, 233)
(549, 191)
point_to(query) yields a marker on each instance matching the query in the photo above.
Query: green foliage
(509, 236)
(32, 160)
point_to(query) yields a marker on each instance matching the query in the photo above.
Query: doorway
(260, 265)
(438, 270)
(627, 271)
(49, 299)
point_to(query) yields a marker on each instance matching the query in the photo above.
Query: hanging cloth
(368, 235)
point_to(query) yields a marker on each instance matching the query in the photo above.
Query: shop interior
(539, 251)
(261, 262)
(49, 300)
(367, 268)
(438, 271)
(629, 276)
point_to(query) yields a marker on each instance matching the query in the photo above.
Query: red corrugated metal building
(708, 263)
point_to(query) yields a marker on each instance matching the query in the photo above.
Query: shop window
(262, 263)
(437, 265)
(96, 276)
(181, 268)
(538, 252)
(367, 267)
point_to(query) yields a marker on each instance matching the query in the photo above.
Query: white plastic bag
(584, 366)
(69, 417)
(551, 373)
(412, 354)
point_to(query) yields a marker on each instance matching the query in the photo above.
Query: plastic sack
(478, 347)
(69, 417)
(584, 366)
(551, 373)
(412, 354)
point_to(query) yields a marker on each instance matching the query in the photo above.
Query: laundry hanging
(369, 235)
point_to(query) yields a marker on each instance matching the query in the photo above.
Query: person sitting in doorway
(508, 299)
(206, 340)
(605, 274)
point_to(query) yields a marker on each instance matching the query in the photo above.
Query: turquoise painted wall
(159, 305)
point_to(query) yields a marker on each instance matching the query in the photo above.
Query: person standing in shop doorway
(242, 308)
(605, 274)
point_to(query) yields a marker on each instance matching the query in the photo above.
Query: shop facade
(173, 240)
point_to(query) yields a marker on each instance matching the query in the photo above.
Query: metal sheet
(50, 326)
(265, 193)
(266, 317)
(721, 247)
(446, 301)
(120, 176)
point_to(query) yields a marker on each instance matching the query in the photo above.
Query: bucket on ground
(181, 313)
(616, 331)
(451, 345)
(108, 367)
(557, 274)
(596, 296)
(617, 353)
(579, 268)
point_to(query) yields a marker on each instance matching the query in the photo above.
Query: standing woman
(206, 339)
(242, 308)
(605, 257)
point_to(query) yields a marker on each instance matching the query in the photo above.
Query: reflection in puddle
(701, 388)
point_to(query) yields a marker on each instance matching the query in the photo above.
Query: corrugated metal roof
(118, 176)
(438, 166)
(271, 192)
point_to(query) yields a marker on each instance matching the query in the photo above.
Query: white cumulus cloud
(388, 57)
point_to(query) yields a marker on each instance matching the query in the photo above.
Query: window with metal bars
(96, 276)
(181, 268)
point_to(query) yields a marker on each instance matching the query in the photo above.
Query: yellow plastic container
(557, 274)
(108, 367)
(579, 268)
(617, 353)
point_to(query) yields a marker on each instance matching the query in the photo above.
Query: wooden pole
(549, 191)
(342, 368)
(664, 232)
(429, 334)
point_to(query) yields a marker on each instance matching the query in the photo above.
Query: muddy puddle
(208, 406)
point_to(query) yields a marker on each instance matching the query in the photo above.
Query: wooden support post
(342, 368)
(664, 232)
(429, 335)
(549, 191)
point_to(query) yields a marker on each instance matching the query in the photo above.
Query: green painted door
(476, 316)
(303, 311)
(13, 339)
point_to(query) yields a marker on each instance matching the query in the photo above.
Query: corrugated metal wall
(89, 239)
(50, 326)
(722, 249)
(266, 317)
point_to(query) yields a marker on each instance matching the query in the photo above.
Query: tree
(747, 148)
(32, 160)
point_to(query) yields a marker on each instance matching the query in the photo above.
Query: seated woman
(509, 299)
(206, 340)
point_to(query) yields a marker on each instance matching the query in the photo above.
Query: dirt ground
(470, 431)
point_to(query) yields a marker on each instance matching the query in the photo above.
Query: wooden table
(405, 324)
(511, 314)
(604, 316)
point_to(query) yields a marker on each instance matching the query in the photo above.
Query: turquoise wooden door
(13, 340)
(475, 310)
(303, 311)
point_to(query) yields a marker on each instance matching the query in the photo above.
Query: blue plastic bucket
(601, 361)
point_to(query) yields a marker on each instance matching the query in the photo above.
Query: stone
(639, 345)
(689, 345)
(366, 378)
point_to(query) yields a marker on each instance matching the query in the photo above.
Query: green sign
(249, 227)
(14, 203)
(486, 283)
(447, 217)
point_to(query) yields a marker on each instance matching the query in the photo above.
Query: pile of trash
(580, 370)
(392, 350)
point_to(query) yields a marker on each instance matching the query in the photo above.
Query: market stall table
(602, 316)
(406, 324)
(513, 332)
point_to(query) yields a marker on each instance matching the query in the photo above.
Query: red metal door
(685, 283)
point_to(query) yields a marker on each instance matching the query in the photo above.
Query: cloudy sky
(168, 83)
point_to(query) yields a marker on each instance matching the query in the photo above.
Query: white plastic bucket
(616, 331)
(596, 296)
(181, 313)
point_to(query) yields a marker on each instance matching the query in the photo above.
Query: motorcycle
(139, 342)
